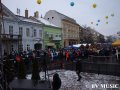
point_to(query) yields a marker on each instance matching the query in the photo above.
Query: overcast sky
(82, 11)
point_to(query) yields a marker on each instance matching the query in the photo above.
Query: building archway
(37, 46)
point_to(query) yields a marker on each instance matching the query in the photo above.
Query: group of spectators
(53, 55)
(62, 54)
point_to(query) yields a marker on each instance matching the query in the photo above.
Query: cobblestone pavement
(89, 80)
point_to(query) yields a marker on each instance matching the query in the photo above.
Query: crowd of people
(63, 54)
(53, 55)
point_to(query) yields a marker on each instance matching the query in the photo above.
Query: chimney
(36, 14)
(26, 13)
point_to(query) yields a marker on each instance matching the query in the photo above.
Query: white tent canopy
(78, 45)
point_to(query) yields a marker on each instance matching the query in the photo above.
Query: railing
(9, 36)
(101, 68)
(104, 59)
(56, 38)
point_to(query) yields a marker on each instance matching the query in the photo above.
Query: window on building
(34, 33)
(10, 29)
(51, 35)
(52, 17)
(59, 35)
(21, 47)
(12, 48)
(48, 18)
(69, 43)
(40, 33)
(27, 32)
(20, 31)
(56, 35)
(28, 47)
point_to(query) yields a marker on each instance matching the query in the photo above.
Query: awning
(116, 43)
(50, 44)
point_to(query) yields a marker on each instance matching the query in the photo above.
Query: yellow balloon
(106, 22)
(106, 17)
(94, 5)
(39, 1)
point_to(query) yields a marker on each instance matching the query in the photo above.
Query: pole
(2, 25)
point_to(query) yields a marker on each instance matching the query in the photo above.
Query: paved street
(69, 80)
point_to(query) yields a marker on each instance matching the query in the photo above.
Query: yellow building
(70, 32)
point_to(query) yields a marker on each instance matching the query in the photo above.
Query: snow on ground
(69, 80)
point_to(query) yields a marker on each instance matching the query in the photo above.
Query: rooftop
(27, 19)
(62, 16)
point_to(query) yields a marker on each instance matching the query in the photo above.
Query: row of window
(71, 31)
(55, 35)
(75, 36)
(47, 34)
(21, 47)
(49, 18)
(70, 26)
(27, 31)
(51, 35)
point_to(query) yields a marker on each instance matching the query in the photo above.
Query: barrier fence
(101, 65)
(94, 64)
(104, 59)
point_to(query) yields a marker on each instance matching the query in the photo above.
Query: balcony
(56, 38)
(10, 37)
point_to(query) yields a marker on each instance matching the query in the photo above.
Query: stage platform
(25, 84)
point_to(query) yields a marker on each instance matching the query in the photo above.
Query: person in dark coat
(56, 84)
(78, 69)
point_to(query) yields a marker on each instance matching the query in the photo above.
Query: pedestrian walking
(78, 69)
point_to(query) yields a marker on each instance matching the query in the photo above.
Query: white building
(56, 18)
(31, 33)
(18, 32)
(70, 28)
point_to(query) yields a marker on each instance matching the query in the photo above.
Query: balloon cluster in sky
(98, 22)
(112, 15)
(94, 5)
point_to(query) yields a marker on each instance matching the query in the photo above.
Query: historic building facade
(70, 32)
(70, 28)
(51, 33)
(52, 37)
(18, 32)
(32, 33)
(9, 37)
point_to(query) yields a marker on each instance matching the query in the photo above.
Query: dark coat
(56, 84)
(78, 66)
